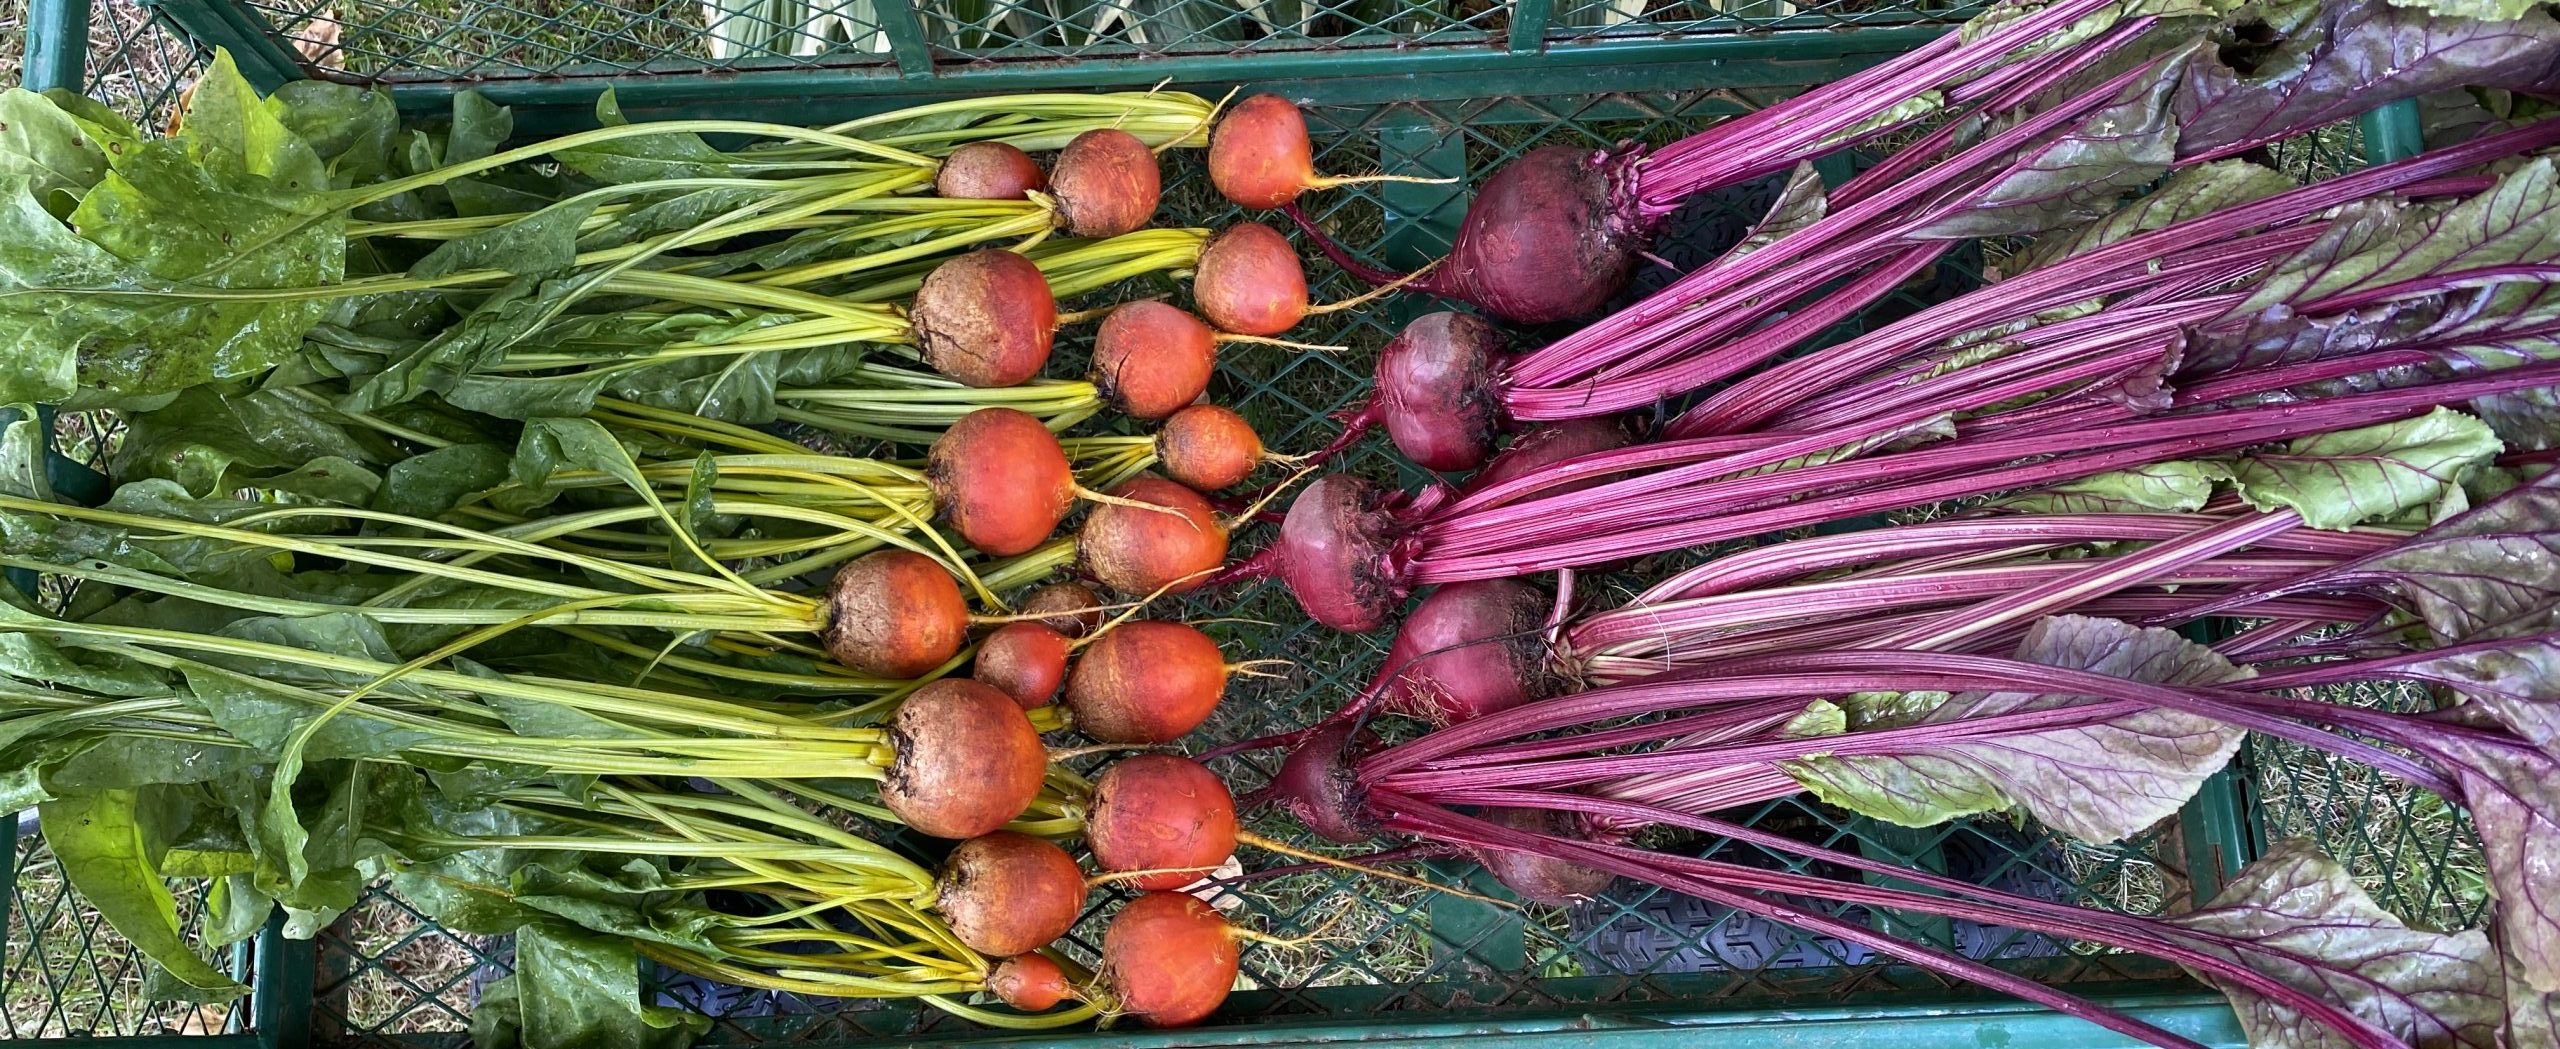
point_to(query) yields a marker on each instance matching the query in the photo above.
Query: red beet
(1169, 959)
(1318, 785)
(1069, 608)
(988, 171)
(1335, 548)
(1159, 812)
(1151, 359)
(1249, 280)
(1146, 681)
(1106, 183)
(1029, 982)
(1006, 893)
(895, 613)
(1471, 649)
(1438, 392)
(1001, 480)
(968, 760)
(1138, 551)
(985, 318)
(1025, 660)
(1543, 879)
(1550, 237)
(1208, 447)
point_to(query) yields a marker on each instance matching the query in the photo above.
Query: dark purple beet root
(1006, 893)
(1318, 785)
(1072, 609)
(895, 613)
(1208, 448)
(968, 760)
(1551, 444)
(1025, 660)
(1138, 551)
(1000, 478)
(1471, 649)
(1542, 879)
(1549, 237)
(988, 171)
(1106, 183)
(1150, 359)
(1438, 390)
(1029, 982)
(1249, 281)
(1159, 812)
(1335, 545)
(1146, 681)
(985, 318)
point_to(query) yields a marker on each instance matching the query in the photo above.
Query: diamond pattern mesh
(388, 976)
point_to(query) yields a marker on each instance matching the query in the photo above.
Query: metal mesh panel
(470, 39)
(65, 974)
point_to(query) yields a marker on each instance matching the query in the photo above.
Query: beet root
(1138, 551)
(1318, 785)
(988, 171)
(1549, 237)
(1207, 447)
(1160, 812)
(1026, 660)
(1029, 982)
(1146, 681)
(1106, 182)
(1249, 281)
(1006, 893)
(968, 760)
(1336, 548)
(985, 318)
(1542, 879)
(1151, 359)
(1168, 959)
(1439, 390)
(1069, 608)
(895, 613)
(1471, 649)
(1551, 444)
(1001, 479)
(1259, 154)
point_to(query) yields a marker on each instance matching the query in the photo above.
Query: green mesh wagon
(1438, 87)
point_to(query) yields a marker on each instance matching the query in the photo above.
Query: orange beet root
(1208, 447)
(985, 318)
(1027, 660)
(1259, 155)
(1006, 893)
(968, 760)
(1138, 551)
(1072, 609)
(895, 613)
(1169, 959)
(1106, 183)
(988, 171)
(1001, 480)
(1029, 982)
(1250, 281)
(1159, 812)
(1146, 681)
(1151, 359)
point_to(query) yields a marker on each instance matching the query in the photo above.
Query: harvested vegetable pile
(652, 542)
